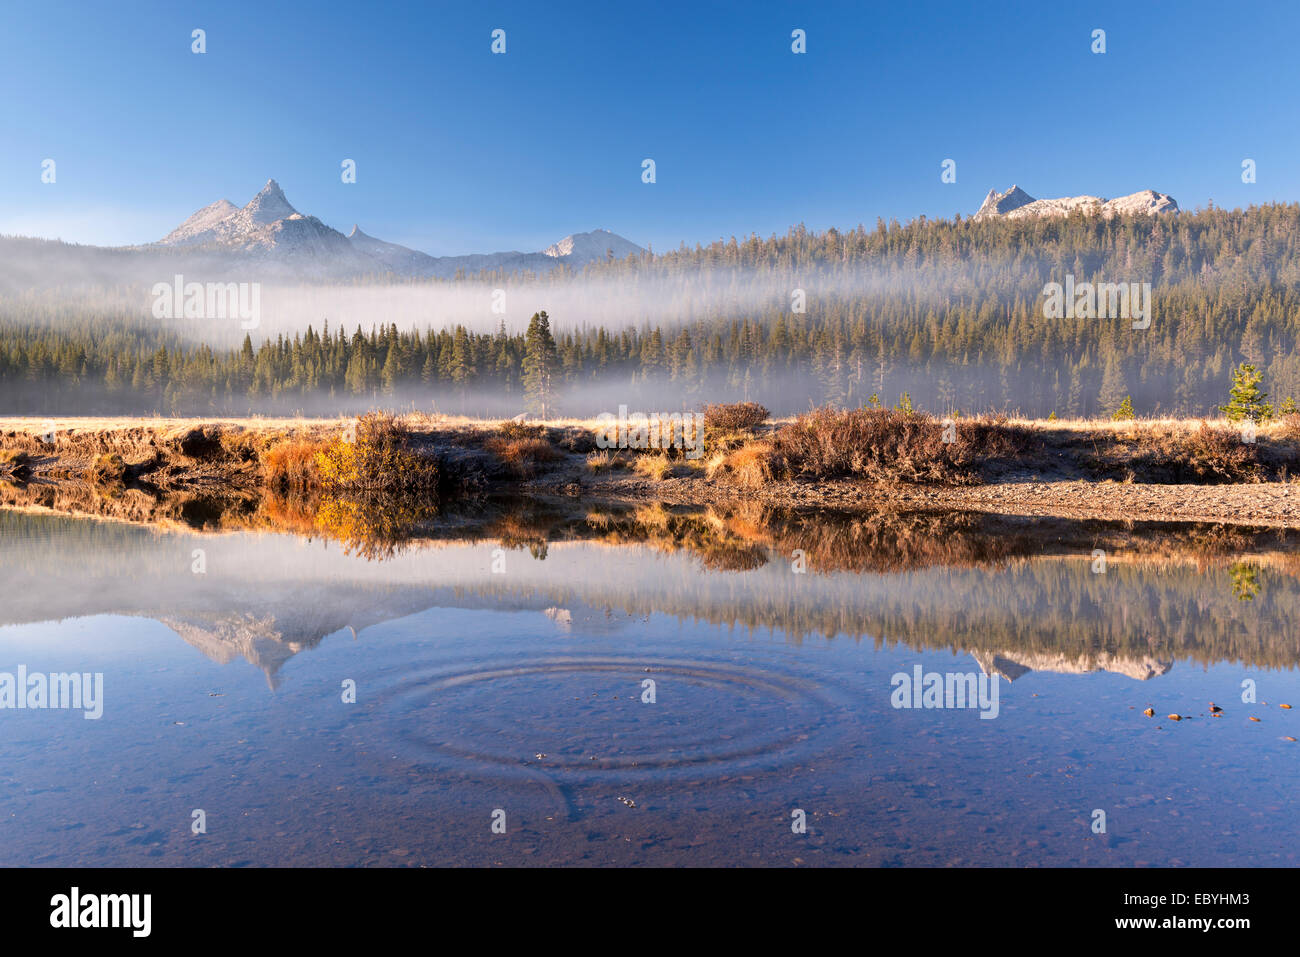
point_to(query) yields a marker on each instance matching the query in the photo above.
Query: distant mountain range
(1015, 203)
(270, 231)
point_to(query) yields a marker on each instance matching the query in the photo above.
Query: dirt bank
(103, 466)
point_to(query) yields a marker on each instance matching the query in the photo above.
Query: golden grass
(656, 467)
(601, 461)
(292, 464)
(750, 466)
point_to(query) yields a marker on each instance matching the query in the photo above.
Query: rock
(1015, 203)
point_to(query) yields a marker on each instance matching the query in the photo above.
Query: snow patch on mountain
(597, 245)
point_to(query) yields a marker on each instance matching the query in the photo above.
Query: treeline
(950, 312)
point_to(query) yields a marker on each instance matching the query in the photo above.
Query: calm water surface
(520, 690)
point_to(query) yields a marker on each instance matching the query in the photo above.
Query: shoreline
(215, 459)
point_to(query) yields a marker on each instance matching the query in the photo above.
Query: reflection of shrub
(373, 526)
(107, 467)
(379, 459)
(734, 416)
(1245, 581)
(523, 456)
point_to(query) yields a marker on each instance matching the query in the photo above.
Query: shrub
(1220, 455)
(292, 464)
(510, 429)
(750, 466)
(881, 445)
(380, 458)
(734, 416)
(523, 456)
(657, 467)
(13, 459)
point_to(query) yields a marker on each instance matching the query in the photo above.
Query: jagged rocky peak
(1015, 203)
(999, 204)
(271, 231)
(202, 222)
(269, 205)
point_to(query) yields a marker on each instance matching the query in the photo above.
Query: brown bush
(734, 416)
(892, 445)
(291, 464)
(523, 456)
(510, 430)
(1218, 455)
(13, 459)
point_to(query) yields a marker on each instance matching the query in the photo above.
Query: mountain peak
(581, 248)
(269, 205)
(999, 204)
(269, 228)
(1015, 203)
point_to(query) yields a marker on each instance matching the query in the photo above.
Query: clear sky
(459, 150)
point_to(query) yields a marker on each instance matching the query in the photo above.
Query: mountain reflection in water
(500, 655)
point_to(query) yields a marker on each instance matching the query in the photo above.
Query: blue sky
(459, 150)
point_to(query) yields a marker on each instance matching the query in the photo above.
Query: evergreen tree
(540, 363)
(1245, 400)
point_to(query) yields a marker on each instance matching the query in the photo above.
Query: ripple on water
(572, 717)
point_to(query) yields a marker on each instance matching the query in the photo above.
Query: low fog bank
(39, 283)
(938, 390)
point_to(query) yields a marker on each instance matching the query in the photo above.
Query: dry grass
(526, 457)
(653, 466)
(748, 467)
(292, 464)
(601, 461)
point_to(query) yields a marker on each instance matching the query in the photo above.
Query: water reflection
(643, 684)
(1018, 594)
